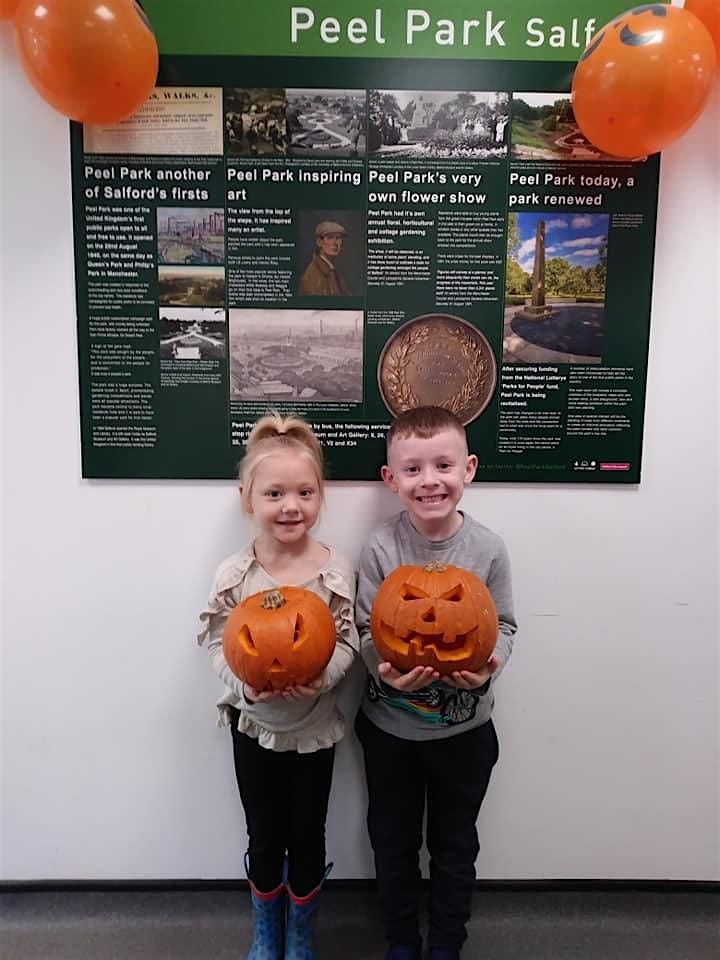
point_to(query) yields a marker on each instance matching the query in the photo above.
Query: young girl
(283, 742)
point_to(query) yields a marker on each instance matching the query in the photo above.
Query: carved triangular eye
(410, 592)
(299, 626)
(245, 638)
(456, 595)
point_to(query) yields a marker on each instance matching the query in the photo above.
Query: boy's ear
(470, 467)
(388, 478)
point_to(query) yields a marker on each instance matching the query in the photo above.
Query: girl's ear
(240, 492)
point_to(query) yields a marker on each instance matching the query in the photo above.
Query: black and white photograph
(191, 286)
(255, 122)
(308, 355)
(543, 128)
(191, 235)
(438, 124)
(192, 333)
(326, 123)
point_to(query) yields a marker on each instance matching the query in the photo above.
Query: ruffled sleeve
(339, 579)
(225, 595)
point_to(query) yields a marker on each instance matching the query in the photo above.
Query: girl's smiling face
(285, 497)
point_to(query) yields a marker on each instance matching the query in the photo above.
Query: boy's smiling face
(429, 475)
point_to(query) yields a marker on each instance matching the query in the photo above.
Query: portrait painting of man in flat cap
(332, 269)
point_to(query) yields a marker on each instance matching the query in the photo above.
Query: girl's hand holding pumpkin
(259, 696)
(300, 691)
(415, 679)
(469, 680)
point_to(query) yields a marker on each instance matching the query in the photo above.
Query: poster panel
(345, 210)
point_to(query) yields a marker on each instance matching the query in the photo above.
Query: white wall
(111, 764)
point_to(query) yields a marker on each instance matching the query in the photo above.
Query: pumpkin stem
(435, 566)
(273, 600)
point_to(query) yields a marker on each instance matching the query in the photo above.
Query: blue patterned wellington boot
(300, 922)
(268, 922)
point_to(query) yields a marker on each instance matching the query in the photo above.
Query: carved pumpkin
(277, 638)
(437, 616)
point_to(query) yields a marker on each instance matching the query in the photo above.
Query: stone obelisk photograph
(555, 282)
(537, 309)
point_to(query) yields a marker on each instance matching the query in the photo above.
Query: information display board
(345, 209)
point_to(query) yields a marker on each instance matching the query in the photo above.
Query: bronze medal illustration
(438, 360)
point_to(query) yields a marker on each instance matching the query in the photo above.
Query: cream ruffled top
(303, 725)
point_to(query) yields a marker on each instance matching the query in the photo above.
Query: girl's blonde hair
(272, 434)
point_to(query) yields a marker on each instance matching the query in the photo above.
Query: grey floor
(214, 924)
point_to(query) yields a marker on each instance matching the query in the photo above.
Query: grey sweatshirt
(438, 710)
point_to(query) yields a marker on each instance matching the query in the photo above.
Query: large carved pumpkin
(437, 616)
(277, 638)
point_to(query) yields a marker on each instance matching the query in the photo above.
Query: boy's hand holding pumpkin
(471, 680)
(415, 679)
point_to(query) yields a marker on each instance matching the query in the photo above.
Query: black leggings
(285, 798)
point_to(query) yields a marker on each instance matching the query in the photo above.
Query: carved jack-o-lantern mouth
(430, 645)
(279, 637)
(437, 616)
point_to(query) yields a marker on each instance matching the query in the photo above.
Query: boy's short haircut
(423, 422)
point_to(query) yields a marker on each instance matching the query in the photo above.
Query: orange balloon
(8, 8)
(643, 80)
(95, 61)
(709, 12)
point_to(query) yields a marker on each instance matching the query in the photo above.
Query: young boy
(423, 737)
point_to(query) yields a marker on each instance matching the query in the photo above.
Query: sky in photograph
(192, 314)
(198, 214)
(272, 321)
(211, 273)
(540, 99)
(576, 238)
(436, 97)
(312, 92)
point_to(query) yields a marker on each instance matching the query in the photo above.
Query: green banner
(323, 226)
(465, 29)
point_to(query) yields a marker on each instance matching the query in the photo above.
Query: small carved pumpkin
(437, 616)
(277, 638)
